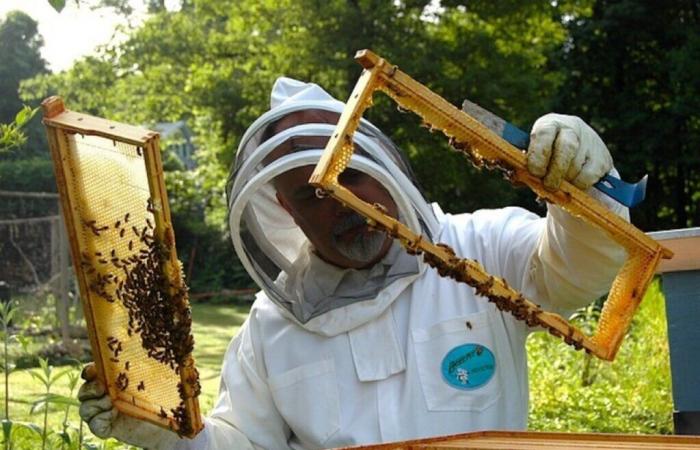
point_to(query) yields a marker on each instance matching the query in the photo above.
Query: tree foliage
(632, 71)
(20, 45)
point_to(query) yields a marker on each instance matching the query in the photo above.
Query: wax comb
(113, 200)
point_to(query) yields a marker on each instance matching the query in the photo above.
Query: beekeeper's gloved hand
(566, 148)
(105, 421)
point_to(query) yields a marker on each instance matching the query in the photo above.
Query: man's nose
(333, 207)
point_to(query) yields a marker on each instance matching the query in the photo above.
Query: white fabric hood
(273, 248)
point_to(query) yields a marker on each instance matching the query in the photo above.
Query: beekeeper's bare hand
(105, 421)
(565, 148)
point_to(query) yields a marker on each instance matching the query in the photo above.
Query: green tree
(632, 71)
(20, 45)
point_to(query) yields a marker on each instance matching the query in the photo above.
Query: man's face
(339, 235)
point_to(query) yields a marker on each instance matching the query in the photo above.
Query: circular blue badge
(468, 366)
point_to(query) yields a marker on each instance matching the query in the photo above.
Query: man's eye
(350, 176)
(305, 193)
(301, 147)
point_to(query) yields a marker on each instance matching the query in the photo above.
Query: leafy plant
(11, 135)
(587, 319)
(630, 395)
(8, 312)
(73, 378)
(47, 376)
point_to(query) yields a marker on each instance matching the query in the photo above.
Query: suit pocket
(458, 363)
(307, 397)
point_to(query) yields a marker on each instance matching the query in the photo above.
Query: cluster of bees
(517, 305)
(157, 309)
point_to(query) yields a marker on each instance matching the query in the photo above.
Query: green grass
(213, 327)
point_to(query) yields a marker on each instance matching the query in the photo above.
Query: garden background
(200, 71)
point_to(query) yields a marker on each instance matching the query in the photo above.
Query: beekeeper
(351, 340)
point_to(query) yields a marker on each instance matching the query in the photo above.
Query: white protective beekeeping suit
(394, 352)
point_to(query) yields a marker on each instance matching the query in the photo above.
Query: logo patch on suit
(468, 366)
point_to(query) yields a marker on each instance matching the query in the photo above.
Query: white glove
(105, 421)
(566, 148)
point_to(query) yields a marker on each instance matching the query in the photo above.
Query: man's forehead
(294, 119)
(305, 116)
(293, 180)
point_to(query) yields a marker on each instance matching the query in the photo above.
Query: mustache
(348, 222)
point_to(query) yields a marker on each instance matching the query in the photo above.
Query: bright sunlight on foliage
(570, 391)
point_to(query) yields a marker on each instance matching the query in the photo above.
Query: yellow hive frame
(486, 148)
(163, 385)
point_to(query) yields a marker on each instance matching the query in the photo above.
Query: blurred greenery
(20, 46)
(570, 391)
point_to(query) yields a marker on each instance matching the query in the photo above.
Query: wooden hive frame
(168, 383)
(528, 440)
(485, 148)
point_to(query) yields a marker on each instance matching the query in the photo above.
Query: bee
(381, 208)
(122, 381)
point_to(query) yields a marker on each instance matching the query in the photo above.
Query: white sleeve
(575, 262)
(245, 416)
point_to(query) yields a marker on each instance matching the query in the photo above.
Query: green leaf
(6, 429)
(7, 310)
(24, 342)
(60, 374)
(58, 5)
(59, 399)
(10, 424)
(40, 377)
(65, 437)
(24, 115)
